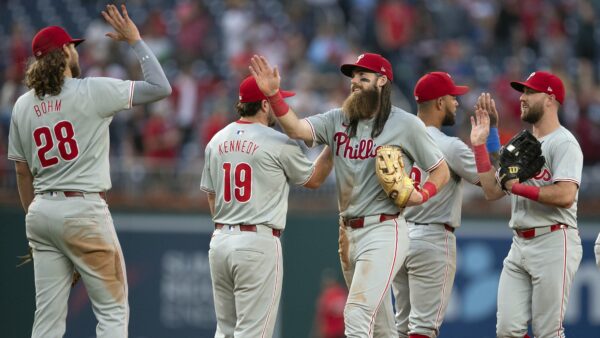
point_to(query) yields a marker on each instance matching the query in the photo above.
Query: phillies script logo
(543, 175)
(363, 150)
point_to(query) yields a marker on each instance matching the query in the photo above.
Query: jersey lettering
(543, 175)
(242, 182)
(65, 137)
(363, 150)
(416, 176)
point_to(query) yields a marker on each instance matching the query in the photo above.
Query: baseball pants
(535, 283)
(68, 233)
(423, 285)
(370, 257)
(246, 269)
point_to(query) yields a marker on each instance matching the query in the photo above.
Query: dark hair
(46, 74)
(248, 108)
(385, 108)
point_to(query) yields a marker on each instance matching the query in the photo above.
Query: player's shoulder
(559, 137)
(449, 145)
(400, 115)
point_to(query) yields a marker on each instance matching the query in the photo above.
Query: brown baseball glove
(389, 168)
(29, 258)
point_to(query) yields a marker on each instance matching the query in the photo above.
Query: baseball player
(423, 285)
(546, 248)
(247, 168)
(373, 235)
(59, 141)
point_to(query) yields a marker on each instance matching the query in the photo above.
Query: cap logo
(549, 89)
(360, 57)
(448, 75)
(240, 97)
(382, 69)
(530, 76)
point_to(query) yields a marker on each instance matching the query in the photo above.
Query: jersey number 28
(67, 145)
(242, 182)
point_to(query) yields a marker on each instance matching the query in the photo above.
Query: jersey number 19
(242, 182)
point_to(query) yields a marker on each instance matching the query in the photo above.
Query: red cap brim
(77, 41)
(518, 86)
(286, 93)
(459, 90)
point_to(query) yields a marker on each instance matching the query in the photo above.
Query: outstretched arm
(480, 128)
(268, 81)
(155, 85)
(323, 166)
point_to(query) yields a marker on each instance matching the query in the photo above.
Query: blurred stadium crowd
(205, 47)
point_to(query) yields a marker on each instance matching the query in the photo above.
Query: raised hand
(487, 103)
(480, 126)
(125, 29)
(267, 78)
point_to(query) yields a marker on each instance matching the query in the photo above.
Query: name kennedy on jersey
(240, 146)
(47, 107)
(363, 150)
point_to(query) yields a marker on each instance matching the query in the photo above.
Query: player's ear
(382, 80)
(439, 102)
(66, 50)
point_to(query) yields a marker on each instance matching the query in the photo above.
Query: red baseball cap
(437, 84)
(371, 62)
(543, 82)
(51, 38)
(249, 91)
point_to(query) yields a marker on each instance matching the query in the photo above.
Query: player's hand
(509, 184)
(487, 103)
(267, 78)
(480, 126)
(416, 198)
(125, 29)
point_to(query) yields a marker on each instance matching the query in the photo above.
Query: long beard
(449, 118)
(534, 113)
(361, 105)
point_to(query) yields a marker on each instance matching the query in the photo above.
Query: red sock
(526, 336)
(417, 336)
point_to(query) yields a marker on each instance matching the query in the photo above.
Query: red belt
(446, 226)
(102, 194)
(531, 233)
(248, 227)
(359, 222)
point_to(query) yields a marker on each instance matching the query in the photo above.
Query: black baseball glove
(521, 158)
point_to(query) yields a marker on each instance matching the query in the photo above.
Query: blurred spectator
(329, 318)
(161, 137)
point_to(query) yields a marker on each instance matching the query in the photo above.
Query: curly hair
(46, 74)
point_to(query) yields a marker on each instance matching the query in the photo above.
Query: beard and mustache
(361, 104)
(449, 118)
(533, 114)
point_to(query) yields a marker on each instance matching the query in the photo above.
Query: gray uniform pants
(423, 285)
(246, 269)
(535, 284)
(370, 258)
(76, 232)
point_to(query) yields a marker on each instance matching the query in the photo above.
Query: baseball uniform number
(67, 145)
(242, 182)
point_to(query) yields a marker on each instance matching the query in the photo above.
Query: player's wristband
(428, 191)
(527, 191)
(482, 159)
(493, 141)
(279, 106)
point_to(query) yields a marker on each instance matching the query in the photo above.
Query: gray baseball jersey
(64, 138)
(248, 167)
(445, 207)
(359, 192)
(564, 162)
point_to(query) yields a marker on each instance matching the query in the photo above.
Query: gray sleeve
(155, 85)
(15, 148)
(461, 161)
(597, 250)
(206, 183)
(298, 169)
(420, 145)
(566, 162)
(323, 126)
